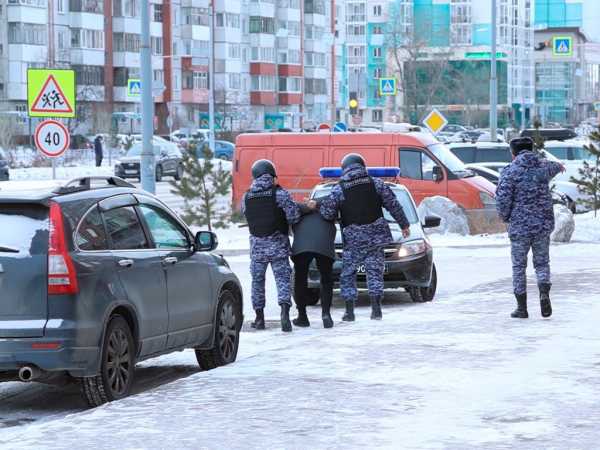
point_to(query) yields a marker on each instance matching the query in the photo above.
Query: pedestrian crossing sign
(387, 86)
(134, 88)
(562, 46)
(51, 93)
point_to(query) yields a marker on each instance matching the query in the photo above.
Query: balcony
(288, 98)
(258, 98)
(194, 96)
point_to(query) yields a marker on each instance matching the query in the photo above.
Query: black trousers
(301, 265)
(99, 158)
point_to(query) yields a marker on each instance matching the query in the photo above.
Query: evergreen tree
(538, 140)
(588, 182)
(202, 184)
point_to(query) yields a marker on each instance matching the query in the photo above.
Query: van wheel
(159, 173)
(117, 366)
(227, 334)
(179, 174)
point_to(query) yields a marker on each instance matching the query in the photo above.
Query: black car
(482, 152)
(96, 276)
(168, 161)
(408, 262)
(550, 134)
(4, 172)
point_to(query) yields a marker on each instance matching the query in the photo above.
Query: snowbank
(62, 173)
(564, 224)
(587, 227)
(453, 218)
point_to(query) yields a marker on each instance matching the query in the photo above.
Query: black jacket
(314, 234)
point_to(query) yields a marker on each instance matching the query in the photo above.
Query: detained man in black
(314, 239)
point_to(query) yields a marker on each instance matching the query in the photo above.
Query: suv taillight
(62, 278)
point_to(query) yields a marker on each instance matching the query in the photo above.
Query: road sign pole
(54, 168)
(494, 77)
(211, 77)
(147, 174)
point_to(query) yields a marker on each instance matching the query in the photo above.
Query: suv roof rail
(85, 184)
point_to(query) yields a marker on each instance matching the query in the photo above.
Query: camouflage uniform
(273, 249)
(363, 243)
(524, 201)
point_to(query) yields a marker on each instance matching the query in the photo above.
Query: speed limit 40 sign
(52, 138)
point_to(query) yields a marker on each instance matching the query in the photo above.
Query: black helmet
(353, 158)
(522, 144)
(263, 167)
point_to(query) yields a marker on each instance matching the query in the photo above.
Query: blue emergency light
(377, 172)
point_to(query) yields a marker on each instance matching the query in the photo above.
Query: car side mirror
(206, 241)
(432, 222)
(437, 174)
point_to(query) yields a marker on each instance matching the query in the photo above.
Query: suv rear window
(24, 230)
(465, 154)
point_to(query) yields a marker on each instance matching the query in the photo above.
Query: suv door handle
(125, 262)
(170, 260)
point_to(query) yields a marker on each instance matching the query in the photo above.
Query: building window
(89, 6)
(126, 42)
(315, 86)
(233, 51)
(313, 32)
(377, 52)
(377, 115)
(195, 16)
(27, 33)
(195, 80)
(263, 83)
(234, 81)
(377, 29)
(312, 59)
(126, 8)
(291, 84)
(228, 20)
(262, 54)
(378, 72)
(260, 24)
(89, 75)
(157, 45)
(86, 38)
(158, 12)
(314, 6)
(60, 6)
(377, 12)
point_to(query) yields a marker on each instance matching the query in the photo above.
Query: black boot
(259, 322)
(376, 313)
(545, 304)
(302, 319)
(521, 311)
(326, 313)
(349, 315)
(286, 325)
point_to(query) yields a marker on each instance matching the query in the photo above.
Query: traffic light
(353, 103)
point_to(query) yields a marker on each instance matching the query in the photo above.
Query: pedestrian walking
(98, 151)
(314, 240)
(524, 202)
(269, 210)
(359, 199)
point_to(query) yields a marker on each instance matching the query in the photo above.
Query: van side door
(417, 174)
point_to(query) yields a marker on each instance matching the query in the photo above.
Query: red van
(427, 167)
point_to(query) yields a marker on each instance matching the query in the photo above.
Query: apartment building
(275, 61)
(444, 51)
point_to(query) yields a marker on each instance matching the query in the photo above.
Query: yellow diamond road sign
(50, 93)
(435, 121)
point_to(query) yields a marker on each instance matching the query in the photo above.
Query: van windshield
(449, 160)
(402, 196)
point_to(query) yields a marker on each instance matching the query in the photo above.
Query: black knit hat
(522, 144)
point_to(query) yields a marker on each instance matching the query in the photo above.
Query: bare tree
(8, 130)
(418, 67)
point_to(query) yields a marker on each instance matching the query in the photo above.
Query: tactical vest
(263, 214)
(362, 204)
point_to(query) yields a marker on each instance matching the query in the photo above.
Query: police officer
(524, 202)
(359, 199)
(269, 210)
(314, 240)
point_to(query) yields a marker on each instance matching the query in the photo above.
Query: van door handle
(170, 260)
(125, 262)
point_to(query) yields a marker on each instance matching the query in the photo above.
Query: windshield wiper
(8, 249)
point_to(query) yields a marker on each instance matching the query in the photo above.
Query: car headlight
(412, 248)
(487, 199)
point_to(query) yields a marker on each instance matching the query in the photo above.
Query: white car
(571, 153)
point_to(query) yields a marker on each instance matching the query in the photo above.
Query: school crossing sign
(562, 46)
(51, 93)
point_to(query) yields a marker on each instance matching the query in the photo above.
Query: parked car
(408, 262)
(224, 150)
(550, 134)
(4, 171)
(492, 174)
(80, 142)
(571, 153)
(96, 276)
(167, 156)
(453, 128)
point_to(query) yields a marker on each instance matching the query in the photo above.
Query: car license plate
(130, 172)
(362, 270)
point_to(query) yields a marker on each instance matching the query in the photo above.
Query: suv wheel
(117, 366)
(179, 174)
(227, 334)
(159, 173)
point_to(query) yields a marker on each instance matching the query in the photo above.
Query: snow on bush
(564, 224)
(453, 218)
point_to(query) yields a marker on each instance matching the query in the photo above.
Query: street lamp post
(211, 77)
(147, 174)
(494, 78)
